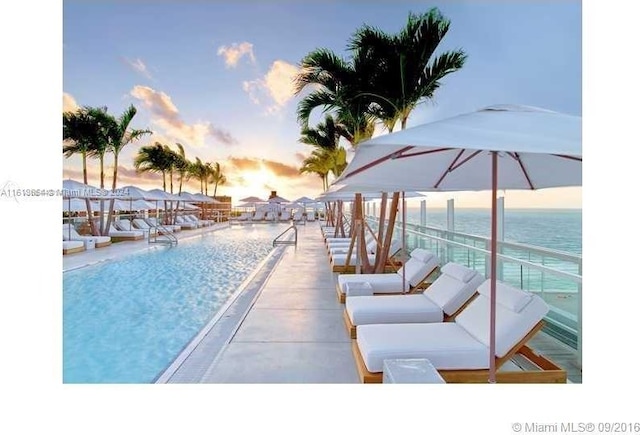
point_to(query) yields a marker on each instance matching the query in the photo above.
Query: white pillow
(421, 254)
(459, 272)
(509, 297)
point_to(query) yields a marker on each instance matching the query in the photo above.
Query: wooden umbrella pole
(389, 233)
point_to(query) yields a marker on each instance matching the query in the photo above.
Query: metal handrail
(277, 240)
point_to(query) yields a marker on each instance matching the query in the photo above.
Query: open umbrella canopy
(499, 147)
(304, 200)
(277, 200)
(76, 189)
(537, 148)
(164, 196)
(186, 196)
(204, 198)
(134, 192)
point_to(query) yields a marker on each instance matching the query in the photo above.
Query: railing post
(423, 220)
(579, 362)
(500, 235)
(450, 228)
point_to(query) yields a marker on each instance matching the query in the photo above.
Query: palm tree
(217, 178)
(317, 164)
(119, 136)
(181, 165)
(153, 158)
(198, 170)
(79, 133)
(326, 135)
(340, 85)
(406, 74)
(172, 161)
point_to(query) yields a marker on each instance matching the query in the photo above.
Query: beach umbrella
(499, 147)
(252, 200)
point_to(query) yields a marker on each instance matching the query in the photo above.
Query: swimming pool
(125, 321)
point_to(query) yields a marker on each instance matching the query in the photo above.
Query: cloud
(277, 85)
(138, 66)
(233, 53)
(166, 115)
(281, 169)
(69, 103)
(278, 169)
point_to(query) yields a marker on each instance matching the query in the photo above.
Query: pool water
(125, 321)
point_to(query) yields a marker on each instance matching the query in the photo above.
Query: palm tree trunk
(215, 189)
(103, 231)
(92, 224)
(113, 188)
(164, 181)
(180, 186)
(171, 180)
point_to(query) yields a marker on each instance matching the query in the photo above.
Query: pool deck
(286, 326)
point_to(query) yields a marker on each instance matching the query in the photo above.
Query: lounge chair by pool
(459, 350)
(442, 300)
(70, 233)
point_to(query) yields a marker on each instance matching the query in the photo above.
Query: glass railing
(553, 275)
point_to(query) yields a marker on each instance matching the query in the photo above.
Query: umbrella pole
(494, 230)
(404, 231)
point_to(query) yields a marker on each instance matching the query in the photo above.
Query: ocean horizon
(559, 229)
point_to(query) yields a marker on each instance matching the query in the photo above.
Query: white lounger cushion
(449, 292)
(511, 326)
(509, 297)
(446, 345)
(67, 230)
(415, 270)
(116, 232)
(72, 244)
(462, 344)
(445, 295)
(366, 310)
(380, 282)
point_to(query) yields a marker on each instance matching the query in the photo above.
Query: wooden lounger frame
(103, 244)
(422, 285)
(549, 372)
(125, 238)
(72, 250)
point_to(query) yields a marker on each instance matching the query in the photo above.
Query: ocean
(557, 229)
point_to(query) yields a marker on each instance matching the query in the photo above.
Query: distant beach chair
(459, 350)
(72, 246)
(70, 233)
(298, 216)
(124, 235)
(443, 299)
(162, 227)
(339, 261)
(311, 217)
(270, 216)
(286, 215)
(417, 269)
(185, 224)
(259, 215)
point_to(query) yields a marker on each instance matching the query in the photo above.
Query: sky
(38, 67)
(216, 77)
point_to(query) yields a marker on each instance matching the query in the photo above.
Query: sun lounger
(443, 299)
(311, 217)
(459, 350)
(297, 216)
(121, 235)
(140, 224)
(153, 222)
(259, 216)
(70, 233)
(185, 224)
(339, 260)
(72, 246)
(200, 222)
(286, 215)
(417, 269)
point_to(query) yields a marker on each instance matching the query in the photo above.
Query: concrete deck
(286, 327)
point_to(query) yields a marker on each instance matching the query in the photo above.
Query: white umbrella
(499, 147)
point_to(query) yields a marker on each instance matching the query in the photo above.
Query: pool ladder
(163, 235)
(280, 240)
